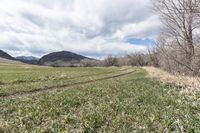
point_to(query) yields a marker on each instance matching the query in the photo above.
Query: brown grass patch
(190, 84)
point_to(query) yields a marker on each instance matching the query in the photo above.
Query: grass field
(90, 100)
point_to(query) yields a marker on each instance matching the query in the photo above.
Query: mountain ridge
(5, 55)
(28, 59)
(56, 59)
(62, 58)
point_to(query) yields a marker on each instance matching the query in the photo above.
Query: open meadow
(114, 99)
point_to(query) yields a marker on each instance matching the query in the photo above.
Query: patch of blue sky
(137, 41)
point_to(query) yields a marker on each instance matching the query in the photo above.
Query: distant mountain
(6, 55)
(28, 59)
(62, 58)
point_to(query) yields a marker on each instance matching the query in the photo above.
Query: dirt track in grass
(63, 78)
(61, 87)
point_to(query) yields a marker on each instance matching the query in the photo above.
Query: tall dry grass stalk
(190, 85)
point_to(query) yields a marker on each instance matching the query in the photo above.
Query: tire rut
(59, 87)
(62, 78)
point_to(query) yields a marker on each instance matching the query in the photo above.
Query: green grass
(132, 103)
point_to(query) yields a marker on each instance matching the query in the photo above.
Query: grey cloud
(81, 26)
(35, 19)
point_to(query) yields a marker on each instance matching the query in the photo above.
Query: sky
(94, 28)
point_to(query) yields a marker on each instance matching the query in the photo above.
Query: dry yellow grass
(190, 84)
(2, 60)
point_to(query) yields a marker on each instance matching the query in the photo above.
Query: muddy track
(61, 78)
(59, 87)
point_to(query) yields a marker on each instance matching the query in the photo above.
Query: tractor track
(59, 87)
(61, 78)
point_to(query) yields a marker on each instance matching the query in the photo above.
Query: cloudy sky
(94, 28)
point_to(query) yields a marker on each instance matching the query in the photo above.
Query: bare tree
(181, 20)
(153, 53)
(137, 59)
(90, 63)
(111, 61)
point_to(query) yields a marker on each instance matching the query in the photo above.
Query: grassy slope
(126, 104)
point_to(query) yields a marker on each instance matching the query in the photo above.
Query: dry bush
(111, 61)
(138, 59)
(153, 56)
(90, 63)
(135, 59)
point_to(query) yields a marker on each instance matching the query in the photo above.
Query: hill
(8, 61)
(6, 55)
(28, 59)
(62, 58)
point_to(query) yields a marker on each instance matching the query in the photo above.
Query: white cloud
(93, 28)
(143, 29)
